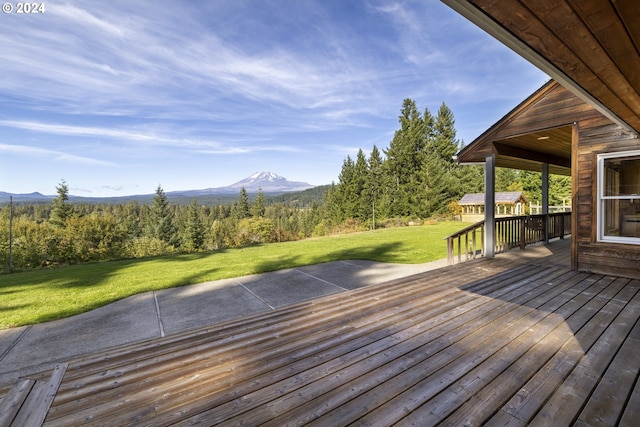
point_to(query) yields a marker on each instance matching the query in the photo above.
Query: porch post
(490, 206)
(545, 200)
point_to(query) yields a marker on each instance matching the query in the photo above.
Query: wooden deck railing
(471, 243)
(511, 232)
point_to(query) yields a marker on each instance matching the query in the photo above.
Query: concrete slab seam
(256, 295)
(352, 264)
(15, 342)
(322, 280)
(158, 315)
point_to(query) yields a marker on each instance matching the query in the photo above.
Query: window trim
(601, 199)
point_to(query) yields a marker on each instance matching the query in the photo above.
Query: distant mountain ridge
(23, 197)
(267, 182)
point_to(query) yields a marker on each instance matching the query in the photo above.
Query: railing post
(545, 229)
(451, 242)
(473, 243)
(545, 202)
(466, 246)
(489, 206)
(523, 231)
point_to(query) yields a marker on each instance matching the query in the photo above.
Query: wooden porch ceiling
(530, 151)
(592, 47)
(537, 131)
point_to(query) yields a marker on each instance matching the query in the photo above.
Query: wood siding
(556, 107)
(598, 136)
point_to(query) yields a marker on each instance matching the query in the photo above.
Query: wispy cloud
(179, 84)
(151, 138)
(53, 155)
(148, 64)
(253, 149)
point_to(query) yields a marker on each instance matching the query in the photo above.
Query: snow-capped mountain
(269, 182)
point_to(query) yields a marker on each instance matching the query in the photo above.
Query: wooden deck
(494, 342)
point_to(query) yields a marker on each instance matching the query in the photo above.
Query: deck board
(516, 340)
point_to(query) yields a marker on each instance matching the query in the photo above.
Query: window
(619, 197)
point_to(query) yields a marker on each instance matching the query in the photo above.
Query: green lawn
(43, 295)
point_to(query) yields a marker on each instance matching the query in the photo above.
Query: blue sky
(119, 97)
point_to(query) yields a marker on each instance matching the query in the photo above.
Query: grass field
(43, 295)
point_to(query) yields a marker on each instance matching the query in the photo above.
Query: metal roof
(503, 197)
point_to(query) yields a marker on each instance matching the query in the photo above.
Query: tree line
(66, 233)
(418, 177)
(413, 179)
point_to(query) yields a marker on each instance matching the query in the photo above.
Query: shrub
(147, 246)
(253, 231)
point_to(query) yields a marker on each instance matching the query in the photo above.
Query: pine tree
(130, 220)
(361, 208)
(242, 209)
(61, 210)
(257, 208)
(444, 135)
(507, 180)
(347, 193)
(194, 228)
(332, 209)
(559, 190)
(404, 163)
(442, 179)
(160, 222)
(471, 178)
(374, 186)
(531, 183)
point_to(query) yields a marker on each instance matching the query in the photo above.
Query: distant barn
(507, 204)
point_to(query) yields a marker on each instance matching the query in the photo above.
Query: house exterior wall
(598, 136)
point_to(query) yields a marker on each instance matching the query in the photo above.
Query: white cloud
(53, 155)
(172, 78)
(252, 149)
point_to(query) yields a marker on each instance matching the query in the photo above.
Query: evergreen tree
(442, 179)
(257, 208)
(374, 186)
(508, 180)
(531, 183)
(404, 163)
(332, 210)
(242, 209)
(361, 199)
(61, 210)
(129, 223)
(347, 191)
(559, 190)
(444, 139)
(160, 222)
(194, 228)
(471, 178)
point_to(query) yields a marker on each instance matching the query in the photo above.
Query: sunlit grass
(43, 295)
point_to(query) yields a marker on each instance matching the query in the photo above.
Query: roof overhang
(536, 132)
(591, 47)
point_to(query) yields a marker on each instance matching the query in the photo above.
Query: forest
(414, 179)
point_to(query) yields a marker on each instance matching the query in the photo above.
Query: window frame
(602, 199)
